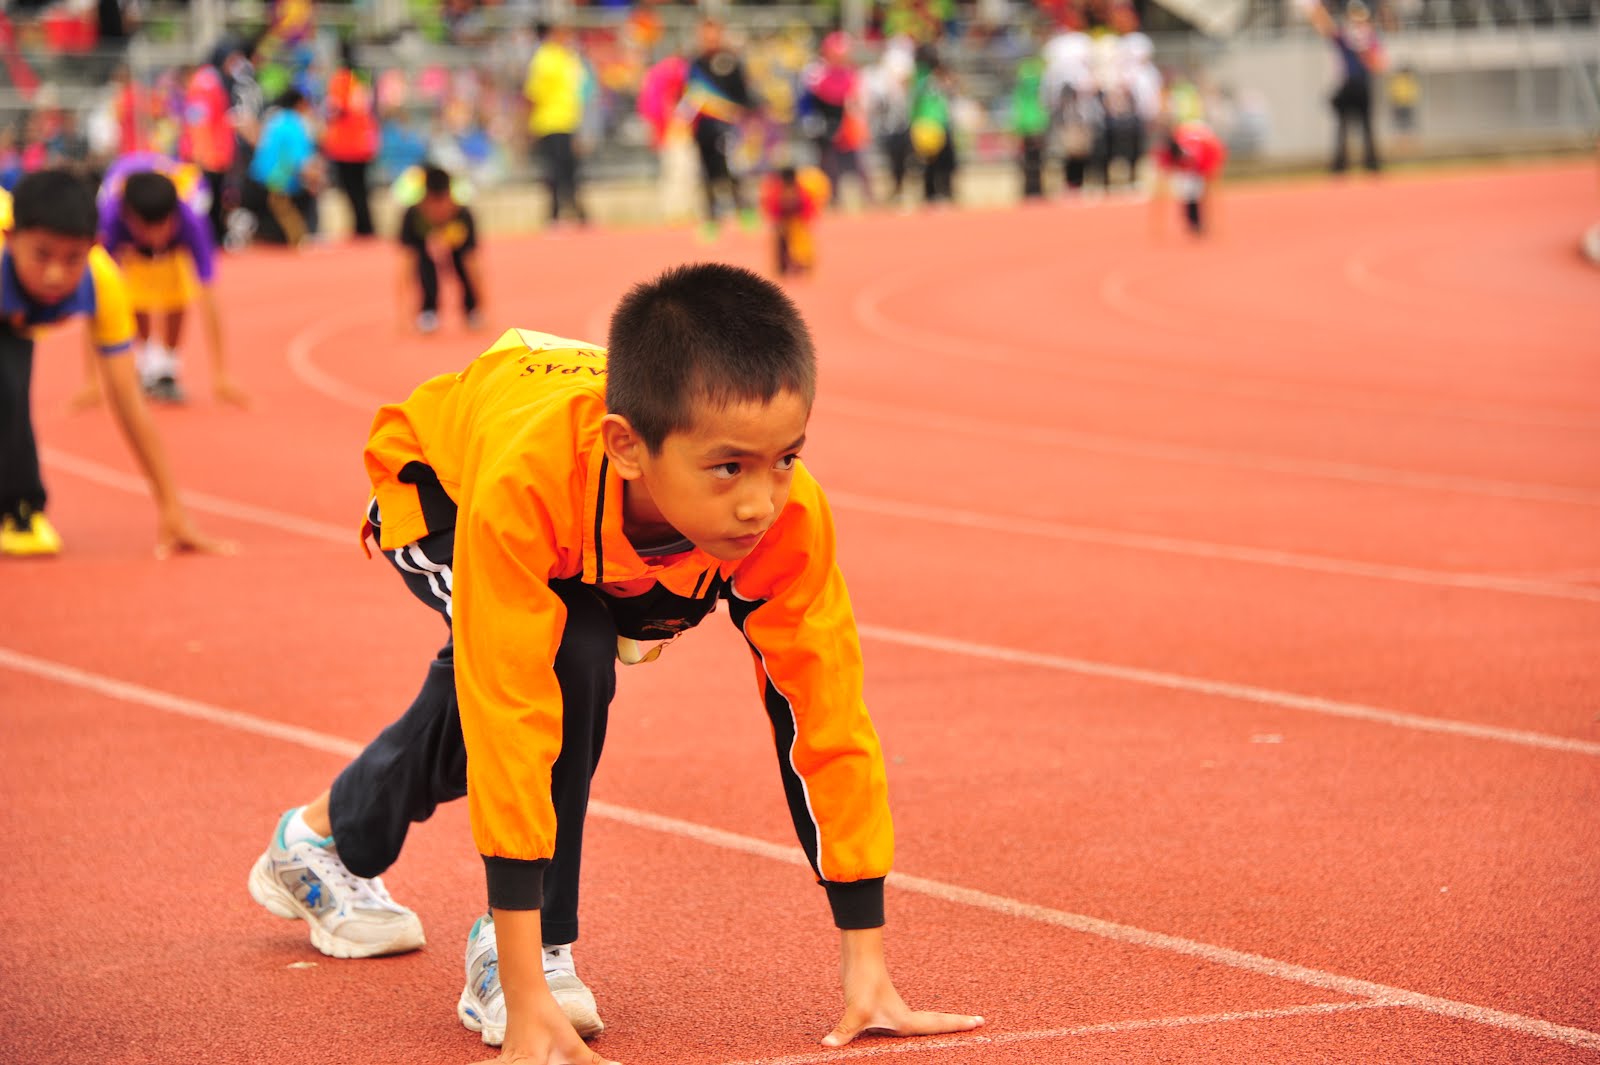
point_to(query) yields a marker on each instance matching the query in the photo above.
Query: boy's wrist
(515, 883)
(857, 904)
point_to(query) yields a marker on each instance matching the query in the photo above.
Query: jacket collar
(608, 555)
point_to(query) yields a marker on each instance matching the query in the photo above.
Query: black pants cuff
(858, 904)
(515, 883)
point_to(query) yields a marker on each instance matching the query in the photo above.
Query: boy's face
(156, 236)
(722, 482)
(49, 265)
(438, 207)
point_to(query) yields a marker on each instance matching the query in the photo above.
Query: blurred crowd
(1068, 89)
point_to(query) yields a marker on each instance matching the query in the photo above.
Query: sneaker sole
(266, 890)
(492, 1035)
(582, 1016)
(45, 551)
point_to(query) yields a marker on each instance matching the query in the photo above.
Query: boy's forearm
(518, 939)
(91, 362)
(208, 307)
(861, 944)
(133, 417)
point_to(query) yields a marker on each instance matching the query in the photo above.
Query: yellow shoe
(37, 537)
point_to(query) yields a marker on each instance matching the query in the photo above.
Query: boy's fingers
(168, 546)
(925, 1023)
(846, 1030)
(916, 1023)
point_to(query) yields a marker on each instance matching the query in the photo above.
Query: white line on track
(1241, 384)
(299, 356)
(1019, 526)
(1228, 690)
(109, 477)
(1135, 447)
(946, 645)
(138, 694)
(982, 1041)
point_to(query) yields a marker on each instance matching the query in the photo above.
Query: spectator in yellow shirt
(554, 90)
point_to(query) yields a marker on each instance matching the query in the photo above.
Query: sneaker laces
(558, 959)
(361, 892)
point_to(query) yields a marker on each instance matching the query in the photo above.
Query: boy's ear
(624, 446)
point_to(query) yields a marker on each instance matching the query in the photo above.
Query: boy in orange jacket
(563, 506)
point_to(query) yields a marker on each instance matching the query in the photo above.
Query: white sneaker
(570, 993)
(155, 360)
(482, 1007)
(350, 916)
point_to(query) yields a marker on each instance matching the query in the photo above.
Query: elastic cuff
(858, 904)
(515, 883)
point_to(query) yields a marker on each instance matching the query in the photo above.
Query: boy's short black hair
(291, 99)
(152, 197)
(57, 201)
(703, 332)
(435, 179)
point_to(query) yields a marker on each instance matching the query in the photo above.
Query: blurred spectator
(830, 114)
(208, 141)
(717, 100)
(660, 93)
(350, 135)
(555, 91)
(1361, 60)
(285, 173)
(10, 159)
(933, 126)
(115, 22)
(889, 107)
(1404, 93)
(1030, 121)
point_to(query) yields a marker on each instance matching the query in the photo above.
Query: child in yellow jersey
(563, 506)
(51, 270)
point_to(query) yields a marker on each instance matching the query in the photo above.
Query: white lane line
(1551, 588)
(140, 695)
(946, 645)
(303, 343)
(1570, 576)
(1134, 447)
(1228, 690)
(1019, 526)
(298, 354)
(1114, 293)
(1147, 374)
(109, 477)
(981, 1041)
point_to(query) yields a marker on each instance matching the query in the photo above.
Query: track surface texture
(1231, 611)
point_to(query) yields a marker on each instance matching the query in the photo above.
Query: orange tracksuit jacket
(508, 452)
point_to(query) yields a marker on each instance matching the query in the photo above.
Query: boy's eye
(726, 469)
(786, 463)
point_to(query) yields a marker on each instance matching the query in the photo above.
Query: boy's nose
(755, 506)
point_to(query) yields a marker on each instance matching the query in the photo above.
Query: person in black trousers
(436, 229)
(1361, 61)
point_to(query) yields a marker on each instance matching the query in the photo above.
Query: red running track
(1232, 619)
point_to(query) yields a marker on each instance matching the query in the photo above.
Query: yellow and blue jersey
(100, 297)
